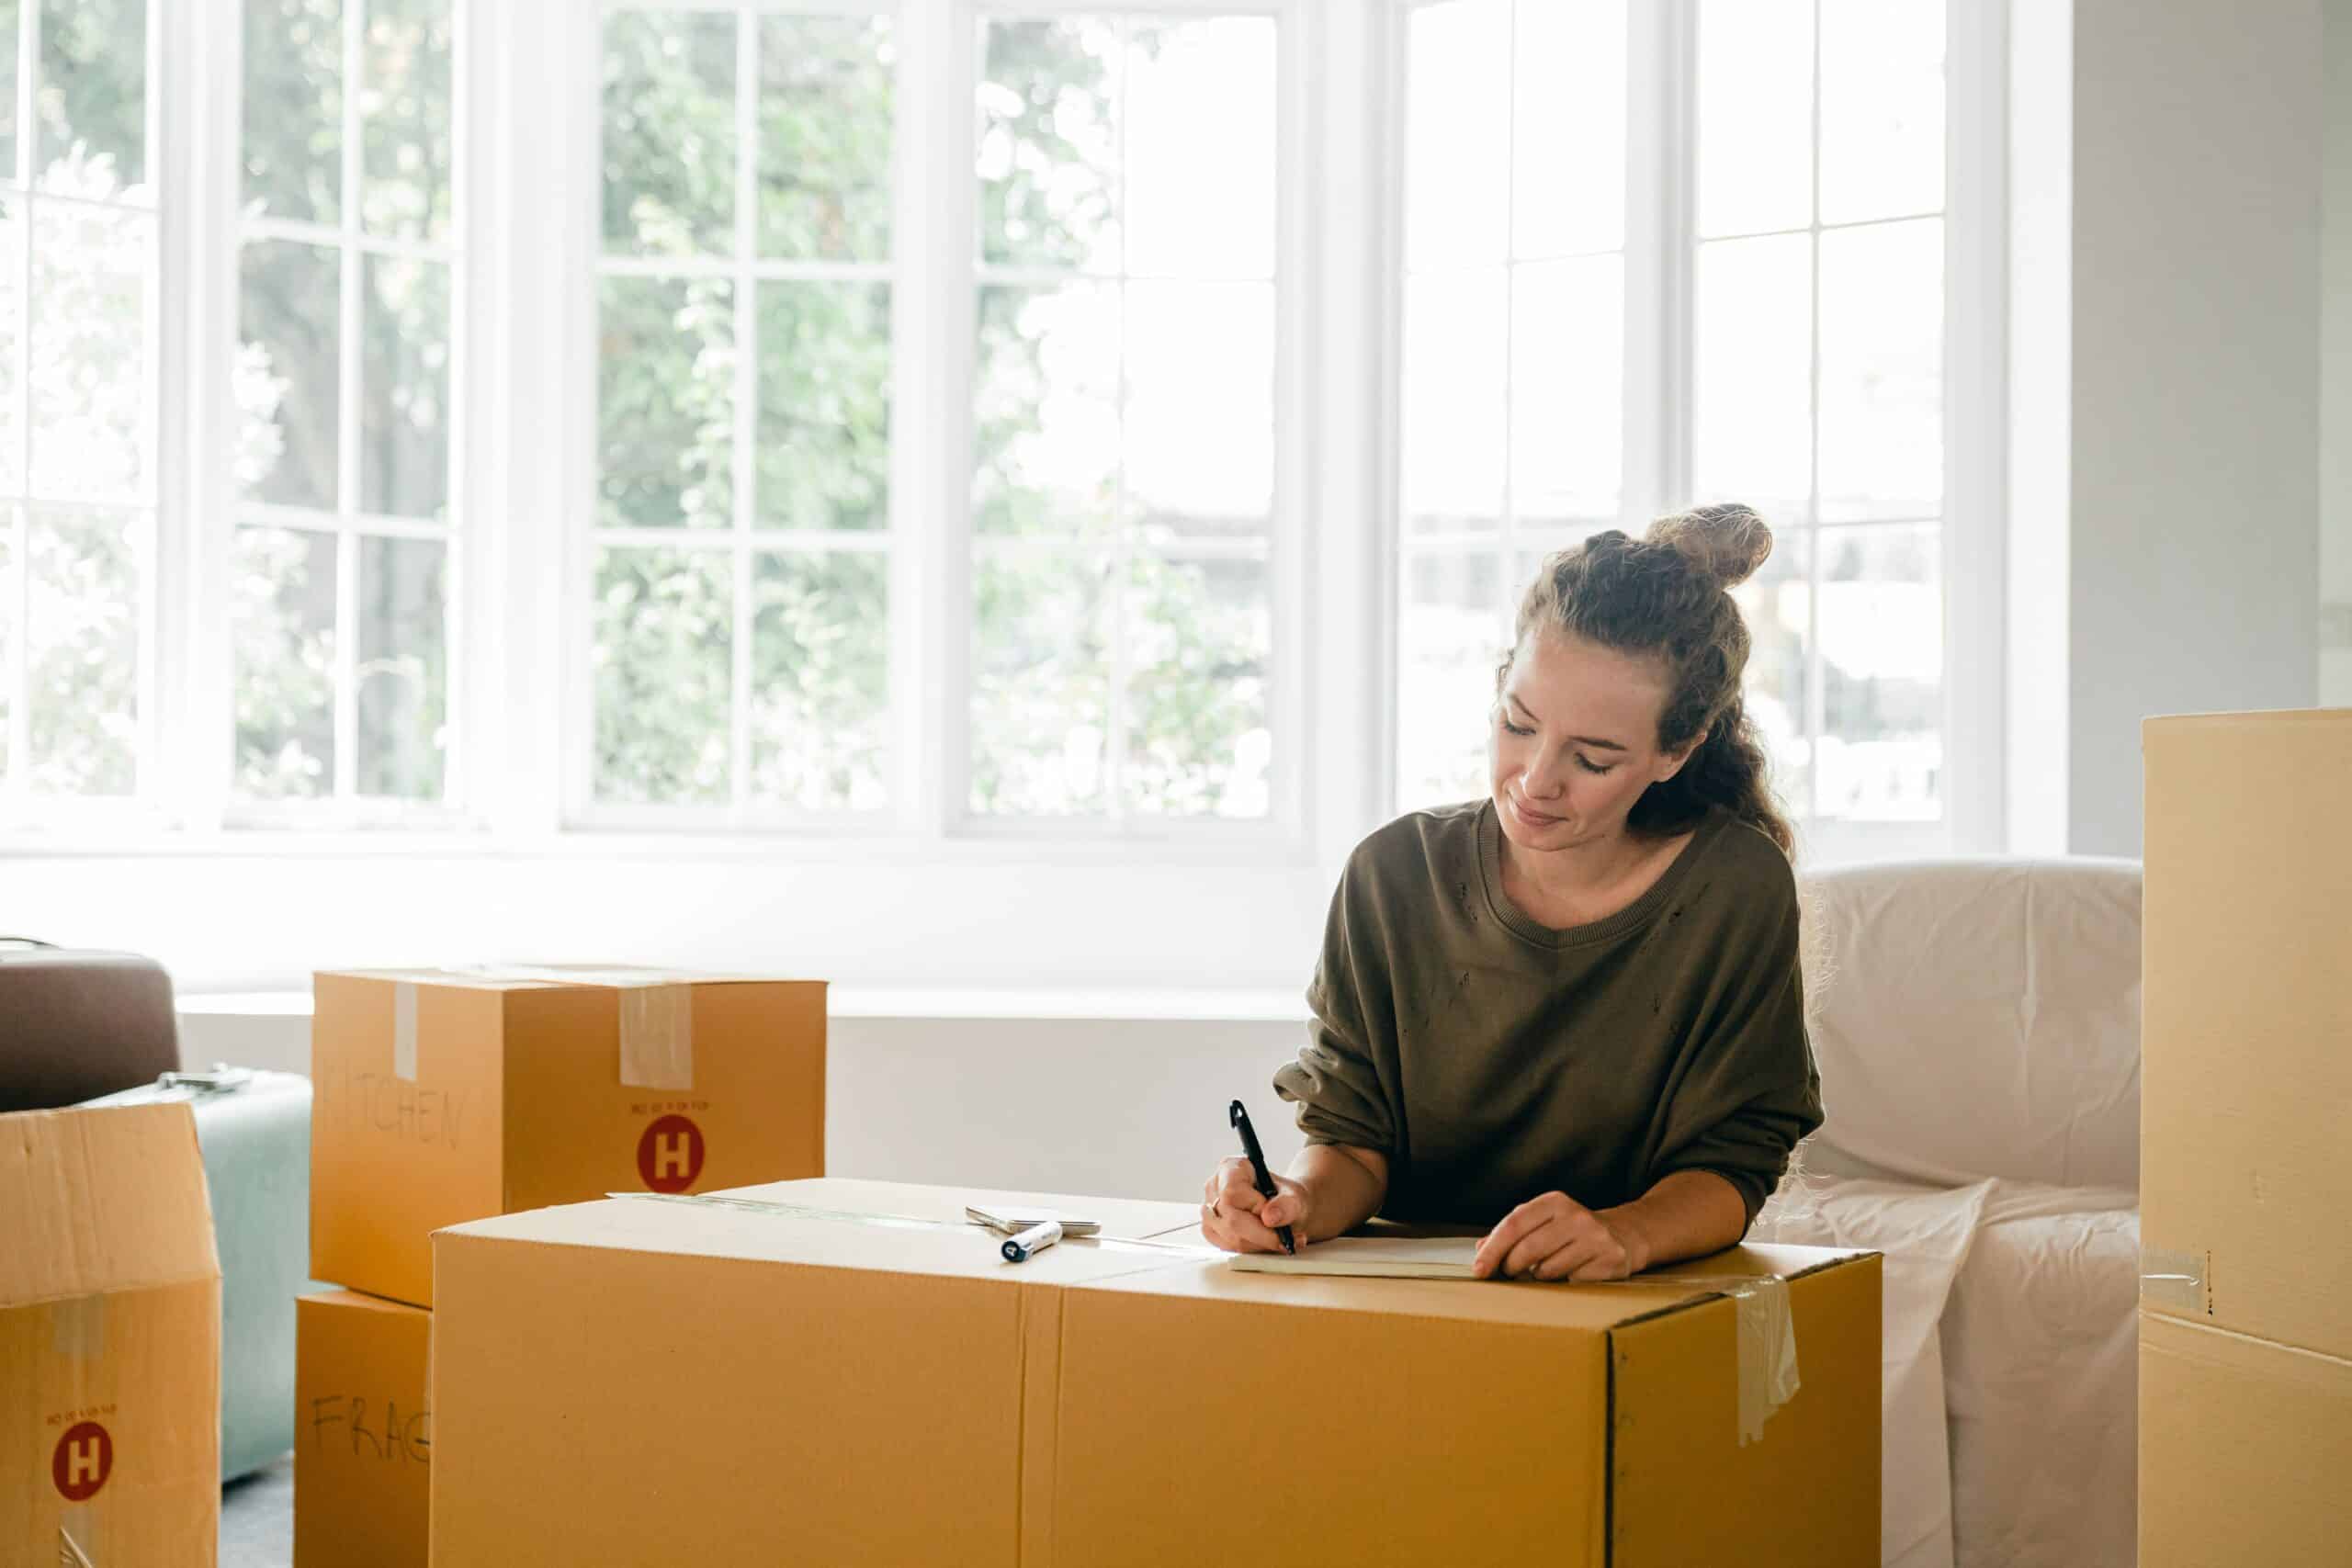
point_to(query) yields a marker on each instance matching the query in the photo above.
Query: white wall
(1089, 1098)
(2335, 376)
(2190, 306)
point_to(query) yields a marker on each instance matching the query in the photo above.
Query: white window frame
(1661, 45)
(934, 280)
(458, 532)
(19, 803)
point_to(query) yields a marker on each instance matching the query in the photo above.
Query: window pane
(90, 118)
(1568, 407)
(1881, 108)
(1882, 370)
(283, 623)
(670, 133)
(1457, 126)
(81, 650)
(1200, 415)
(1755, 96)
(820, 664)
(1049, 152)
(1753, 437)
(404, 99)
(11, 19)
(12, 327)
(289, 371)
(826, 95)
(824, 447)
(404, 668)
(1046, 410)
(93, 269)
(1453, 451)
(1199, 148)
(664, 662)
(1451, 636)
(1776, 604)
(1882, 656)
(293, 109)
(404, 389)
(665, 403)
(1568, 139)
(1200, 639)
(1041, 682)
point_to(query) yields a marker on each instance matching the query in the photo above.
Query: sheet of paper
(1392, 1258)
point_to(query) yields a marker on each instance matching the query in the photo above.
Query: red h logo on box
(669, 1156)
(83, 1459)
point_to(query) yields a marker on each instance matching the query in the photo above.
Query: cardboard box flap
(98, 1199)
(707, 1227)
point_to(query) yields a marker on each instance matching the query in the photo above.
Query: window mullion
(919, 463)
(950, 274)
(1658, 156)
(347, 421)
(746, 392)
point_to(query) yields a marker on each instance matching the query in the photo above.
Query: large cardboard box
(2246, 1025)
(363, 1435)
(447, 1097)
(110, 1339)
(2244, 1450)
(846, 1375)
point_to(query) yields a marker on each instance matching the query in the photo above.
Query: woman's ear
(1671, 762)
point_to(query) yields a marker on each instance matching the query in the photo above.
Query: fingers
(1229, 1212)
(1237, 1231)
(1516, 1226)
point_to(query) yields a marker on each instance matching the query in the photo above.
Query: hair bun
(1728, 541)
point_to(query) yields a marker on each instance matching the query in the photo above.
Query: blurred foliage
(1195, 634)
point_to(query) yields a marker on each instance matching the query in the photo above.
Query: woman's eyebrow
(1595, 741)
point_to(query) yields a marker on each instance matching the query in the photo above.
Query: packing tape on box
(77, 1327)
(2175, 1281)
(657, 1016)
(1767, 1334)
(404, 1030)
(899, 1221)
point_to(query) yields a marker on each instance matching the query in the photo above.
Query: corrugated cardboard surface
(363, 1435)
(2246, 1449)
(2246, 1023)
(109, 1339)
(893, 1392)
(517, 1102)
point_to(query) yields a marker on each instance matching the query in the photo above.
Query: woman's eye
(1586, 763)
(1515, 729)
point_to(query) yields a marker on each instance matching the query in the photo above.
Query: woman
(1571, 1011)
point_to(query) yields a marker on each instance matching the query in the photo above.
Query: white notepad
(1379, 1256)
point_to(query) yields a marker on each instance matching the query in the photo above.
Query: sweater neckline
(1631, 918)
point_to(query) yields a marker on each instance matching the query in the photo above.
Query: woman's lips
(1533, 819)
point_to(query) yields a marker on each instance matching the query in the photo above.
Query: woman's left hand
(1556, 1237)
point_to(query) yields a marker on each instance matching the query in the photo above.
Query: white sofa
(1977, 1027)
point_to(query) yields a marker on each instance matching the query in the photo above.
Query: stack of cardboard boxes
(2245, 1158)
(444, 1097)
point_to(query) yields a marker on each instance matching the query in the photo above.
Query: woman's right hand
(1235, 1216)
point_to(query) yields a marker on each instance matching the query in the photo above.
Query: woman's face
(1574, 740)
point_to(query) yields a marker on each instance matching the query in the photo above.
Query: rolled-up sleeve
(1336, 1080)
(1749, 1090)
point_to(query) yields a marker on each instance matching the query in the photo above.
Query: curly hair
(1669, 594)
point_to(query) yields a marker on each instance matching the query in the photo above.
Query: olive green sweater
(1492, 1059)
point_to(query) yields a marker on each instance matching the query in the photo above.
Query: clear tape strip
(899, 1221)
(1765, 1325)
(657, 1017)
(77, 1327)
(404, 1030)
(2176, 1281)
